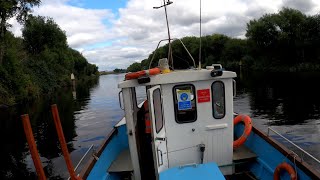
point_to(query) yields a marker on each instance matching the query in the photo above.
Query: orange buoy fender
(247, 129)
(138, 74)
(288, 168)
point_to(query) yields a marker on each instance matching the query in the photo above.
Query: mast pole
(165, 4)
(170, 59)
(200, 41)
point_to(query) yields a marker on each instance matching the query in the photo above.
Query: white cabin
(191, 115)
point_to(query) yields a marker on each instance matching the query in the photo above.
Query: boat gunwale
(303, 165)
(92, 161)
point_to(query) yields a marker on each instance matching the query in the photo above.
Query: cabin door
(159, 141)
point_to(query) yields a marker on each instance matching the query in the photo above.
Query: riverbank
(32, 66)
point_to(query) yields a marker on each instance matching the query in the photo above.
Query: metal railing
(154, 52)
(298, 147)
(82, 159)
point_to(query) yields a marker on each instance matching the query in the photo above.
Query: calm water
(289, 103)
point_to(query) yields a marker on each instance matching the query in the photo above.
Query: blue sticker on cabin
(184, 105)
(184, 100)
(184, 96)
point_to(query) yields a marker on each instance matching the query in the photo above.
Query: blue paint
(184, 105)
(202, 171)
(118, 143)
(268, 157)
(184, 96)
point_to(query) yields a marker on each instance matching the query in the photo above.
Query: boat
(192, 134)
(187, 129)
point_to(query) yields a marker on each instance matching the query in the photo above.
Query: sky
(115, 33)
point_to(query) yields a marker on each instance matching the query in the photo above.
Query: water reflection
(15, 160)
(287, 102)
(284, 98)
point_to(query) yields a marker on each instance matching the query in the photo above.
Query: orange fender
(288, 168)
(247, 130)
(138, 74)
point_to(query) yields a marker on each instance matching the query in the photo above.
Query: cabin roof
(178, 76)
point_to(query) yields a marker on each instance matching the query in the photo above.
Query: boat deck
(122, 163)
(243, 154)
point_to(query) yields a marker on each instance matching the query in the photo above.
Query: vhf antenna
(165, 4)
(200, 41)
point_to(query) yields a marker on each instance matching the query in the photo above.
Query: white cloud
(139, 27)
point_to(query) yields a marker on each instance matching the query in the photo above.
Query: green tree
(281, 37)
(134, 67)
(40, 33)
(9, 9)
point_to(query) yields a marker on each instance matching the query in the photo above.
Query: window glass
(185, 103)
(158, 109)
(218, 99)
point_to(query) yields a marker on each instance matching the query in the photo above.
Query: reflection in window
(185, 103)
(218, 99)
(158, 109)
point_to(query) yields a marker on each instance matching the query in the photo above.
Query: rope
(182, 149)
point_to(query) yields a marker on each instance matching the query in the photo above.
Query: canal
(287, 102)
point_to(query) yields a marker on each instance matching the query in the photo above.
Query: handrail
(194, 63)
(304, 151)
(82, 158)
(154, 52)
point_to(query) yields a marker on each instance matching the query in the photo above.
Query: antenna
(165, 4)
(200, 41)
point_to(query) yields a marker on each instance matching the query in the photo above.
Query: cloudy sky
(115, 33)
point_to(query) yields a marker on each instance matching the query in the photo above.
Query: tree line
(286, 41)
(38, 62)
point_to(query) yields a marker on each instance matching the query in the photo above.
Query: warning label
(203, 95)
(184, 99)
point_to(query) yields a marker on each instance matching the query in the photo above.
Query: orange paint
(63, 143)
(247, 129)
(147, 117)
(138, 74)
(32, 146)
(288, 168)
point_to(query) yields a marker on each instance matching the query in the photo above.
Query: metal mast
(200, 41)
(165, 4)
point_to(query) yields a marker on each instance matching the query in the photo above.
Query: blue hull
(114, 145)
(269, 155)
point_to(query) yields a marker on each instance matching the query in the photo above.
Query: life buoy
(147, 117)
(138, 74)
(288, 168)
(247, 129)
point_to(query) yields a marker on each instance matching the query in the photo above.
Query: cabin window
(158, 109)
(218, 100)
(185, 103)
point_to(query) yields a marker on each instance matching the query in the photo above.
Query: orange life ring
(247, 129)
(138, 74)
(288, 168)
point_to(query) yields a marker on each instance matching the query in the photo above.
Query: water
(289, 103)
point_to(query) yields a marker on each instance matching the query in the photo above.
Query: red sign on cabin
(203, 95)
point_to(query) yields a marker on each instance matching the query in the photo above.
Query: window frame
(154, 110)
(175, 100)
(224, 99)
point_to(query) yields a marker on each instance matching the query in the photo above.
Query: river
(287, 102)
